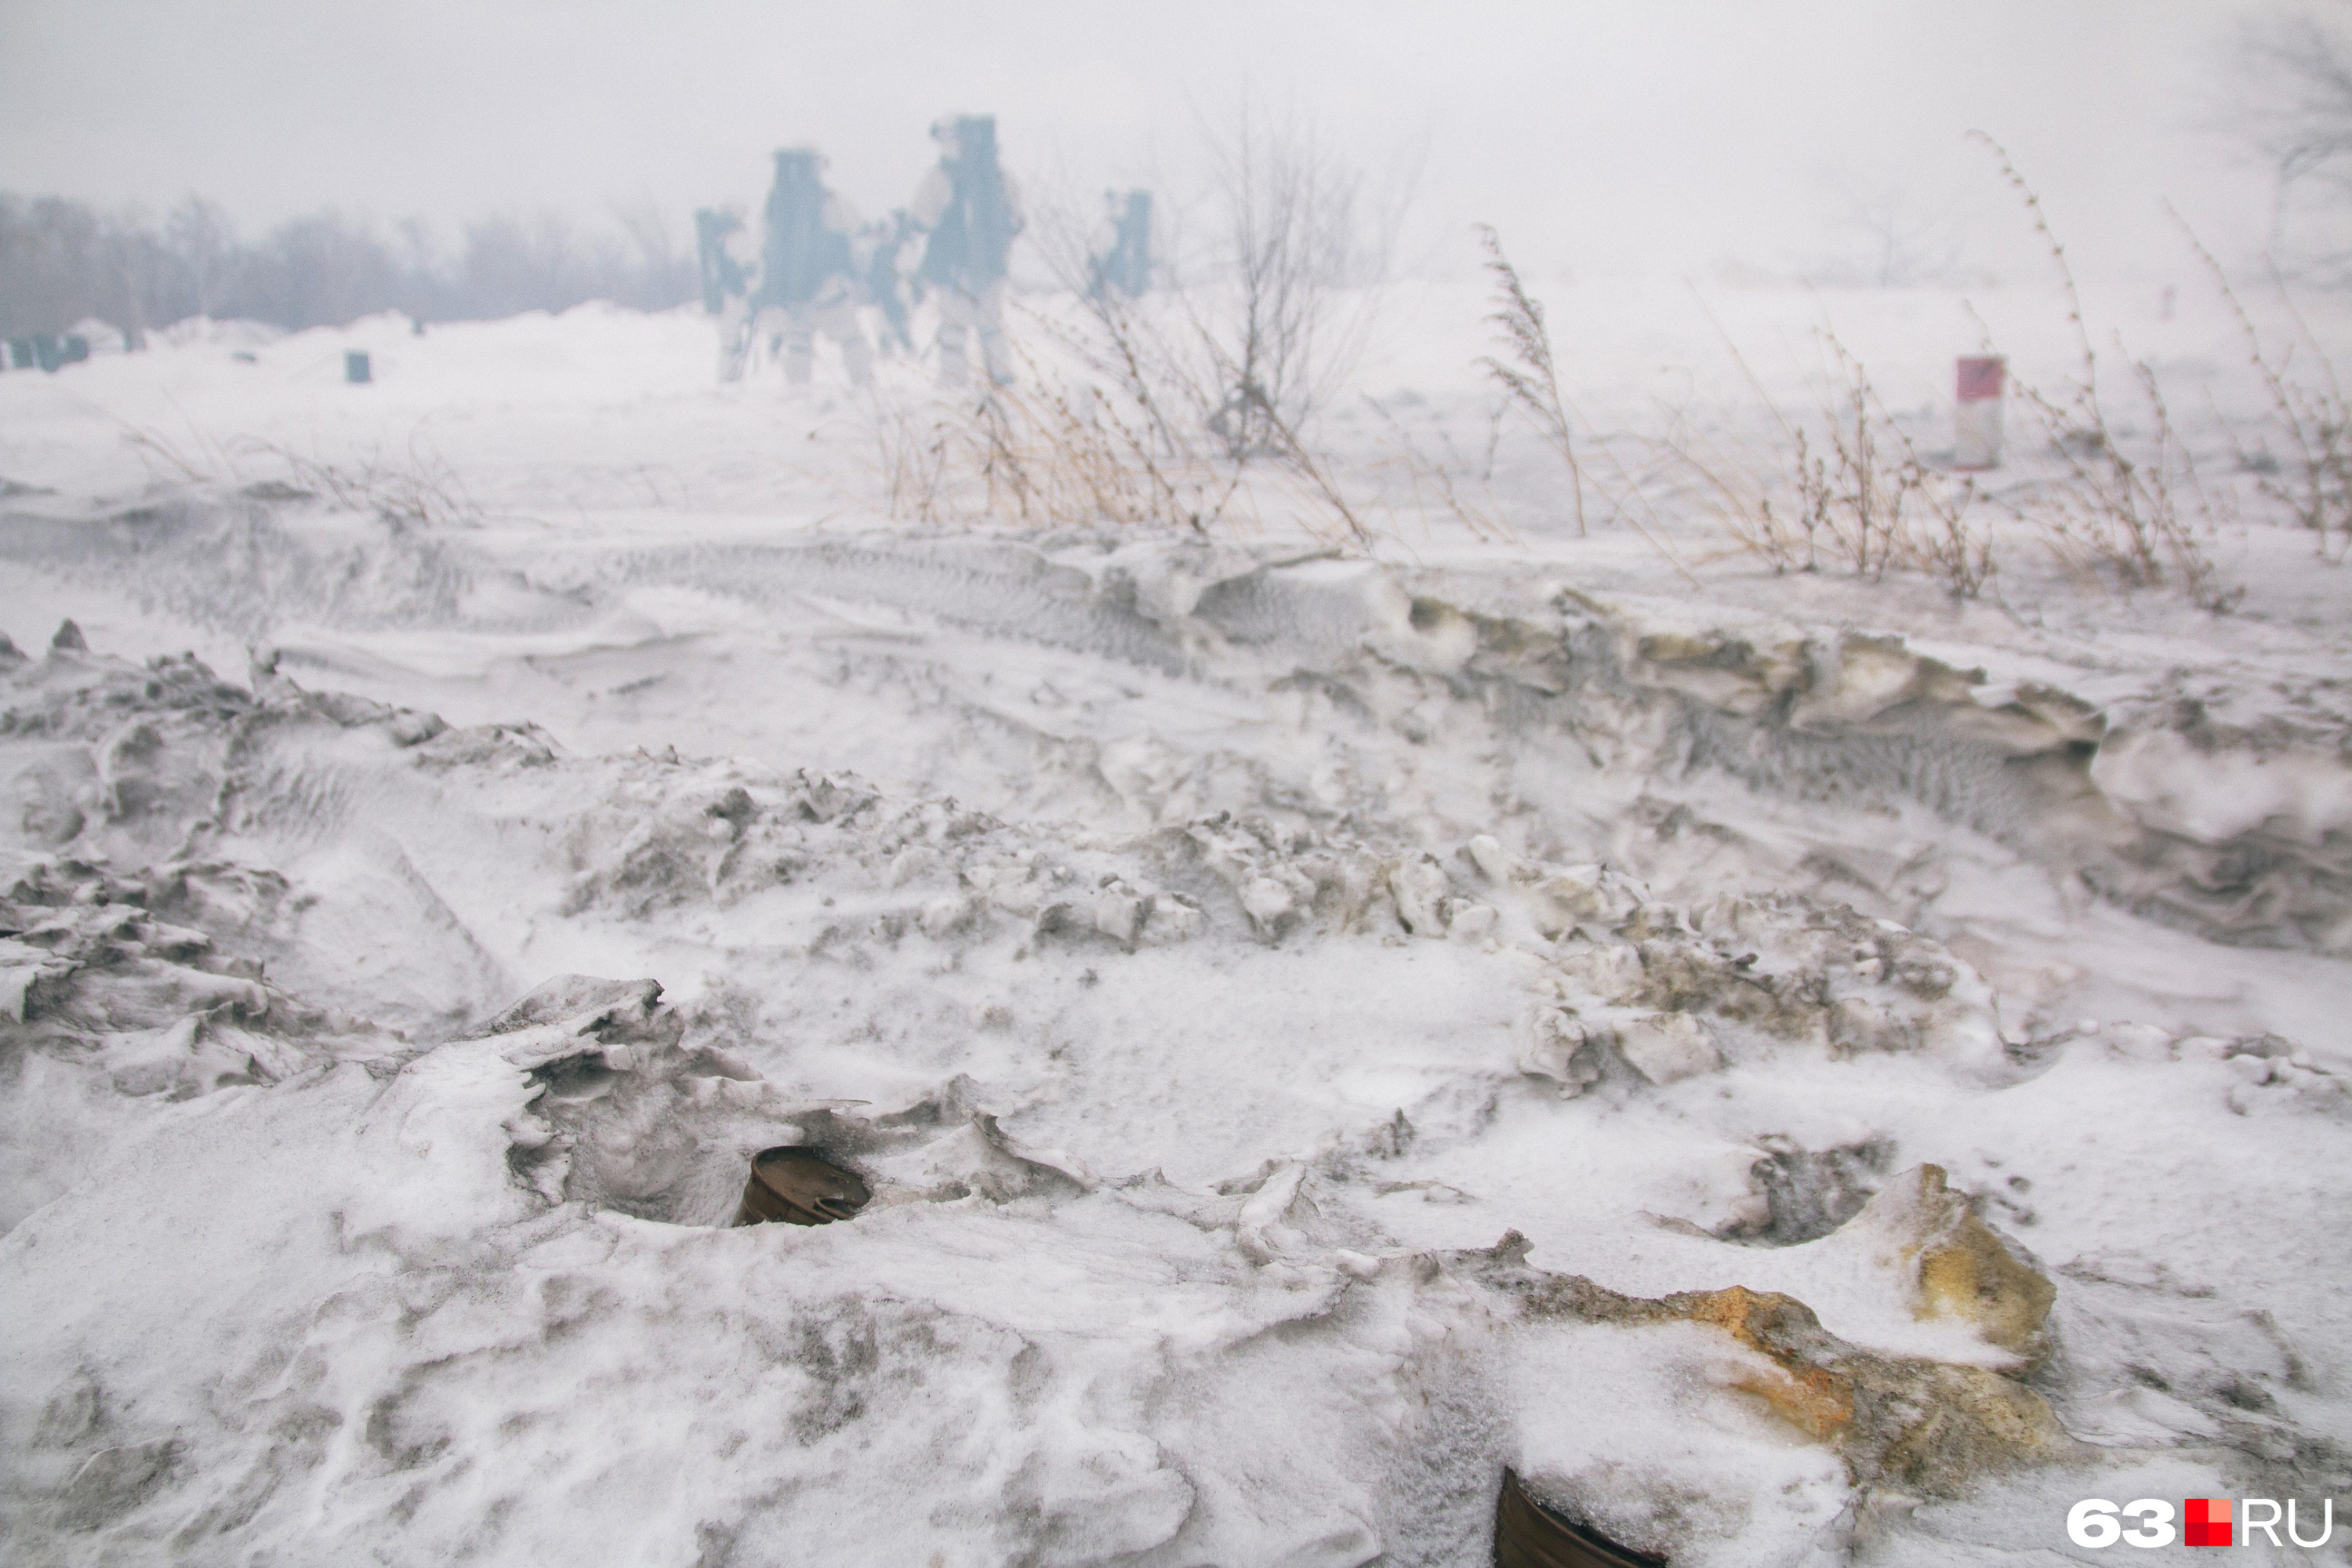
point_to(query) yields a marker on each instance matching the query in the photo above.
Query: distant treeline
(63, 261)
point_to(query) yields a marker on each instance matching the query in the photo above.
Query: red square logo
(2207, 1519)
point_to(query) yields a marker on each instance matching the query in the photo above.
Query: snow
(420, 898)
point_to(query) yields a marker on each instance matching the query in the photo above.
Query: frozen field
(1803, 1070)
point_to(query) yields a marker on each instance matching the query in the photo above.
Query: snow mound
(1184, 1140)
(272, 554)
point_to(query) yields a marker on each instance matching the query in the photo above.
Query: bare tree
(1290, 243)
(137, 277)
(200, 236)
(2296, 86)
(1904, 239)
(664, 275)
(521, 261)
(49, 264)
(63, 261)
(1178, 398)
(318, 271)
(427, 291)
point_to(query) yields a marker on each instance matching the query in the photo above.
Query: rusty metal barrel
(1530, 1535)
(799, 1186)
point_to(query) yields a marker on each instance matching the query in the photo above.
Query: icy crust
(1185, 1144)
(435, 1365)
(1118, 611)
(2247, 840)
(453, 1341)
(2243, 799)
(155, 770)
(107, 1010)
(1676, 992)
(2237, 827)
(1657, 690)
(1842, 716)
(249, 560)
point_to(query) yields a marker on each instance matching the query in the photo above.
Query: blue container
(356, 369)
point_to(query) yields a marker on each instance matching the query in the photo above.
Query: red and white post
(1976, 415)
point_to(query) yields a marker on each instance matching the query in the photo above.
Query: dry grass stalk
(202, 461)
(2315, 422)
(1058, 449)
(2142, 521)
(1847, 488)
(1170, 411)
(423, 492)
(911, 461)
(1426, 476)
(1532, 380)
(1053, 452)
(1532, 384)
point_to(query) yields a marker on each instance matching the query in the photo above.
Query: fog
(1662, 138)
(1679, 873)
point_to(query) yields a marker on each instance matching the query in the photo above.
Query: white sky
(1631, 134)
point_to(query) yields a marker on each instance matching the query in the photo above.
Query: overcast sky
(1630, 134)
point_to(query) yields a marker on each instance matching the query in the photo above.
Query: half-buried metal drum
(1530, 1535)
(799, 1186)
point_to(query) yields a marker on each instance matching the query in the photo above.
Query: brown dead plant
(1531, 378)
(913, 460)
(1191, 407)
(1844, 488)
(419, 490)
(1443, 482)
(2142, 520)
(2311, 417)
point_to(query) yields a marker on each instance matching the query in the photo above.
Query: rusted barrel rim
(798, 1186)
(1530, 1535)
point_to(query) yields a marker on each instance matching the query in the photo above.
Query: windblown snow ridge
(2146, 807)
(1646, 686)
(249, 560)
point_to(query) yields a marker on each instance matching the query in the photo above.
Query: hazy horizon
(1599, 141)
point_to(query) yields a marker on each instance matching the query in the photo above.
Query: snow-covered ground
(1803, 1070)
